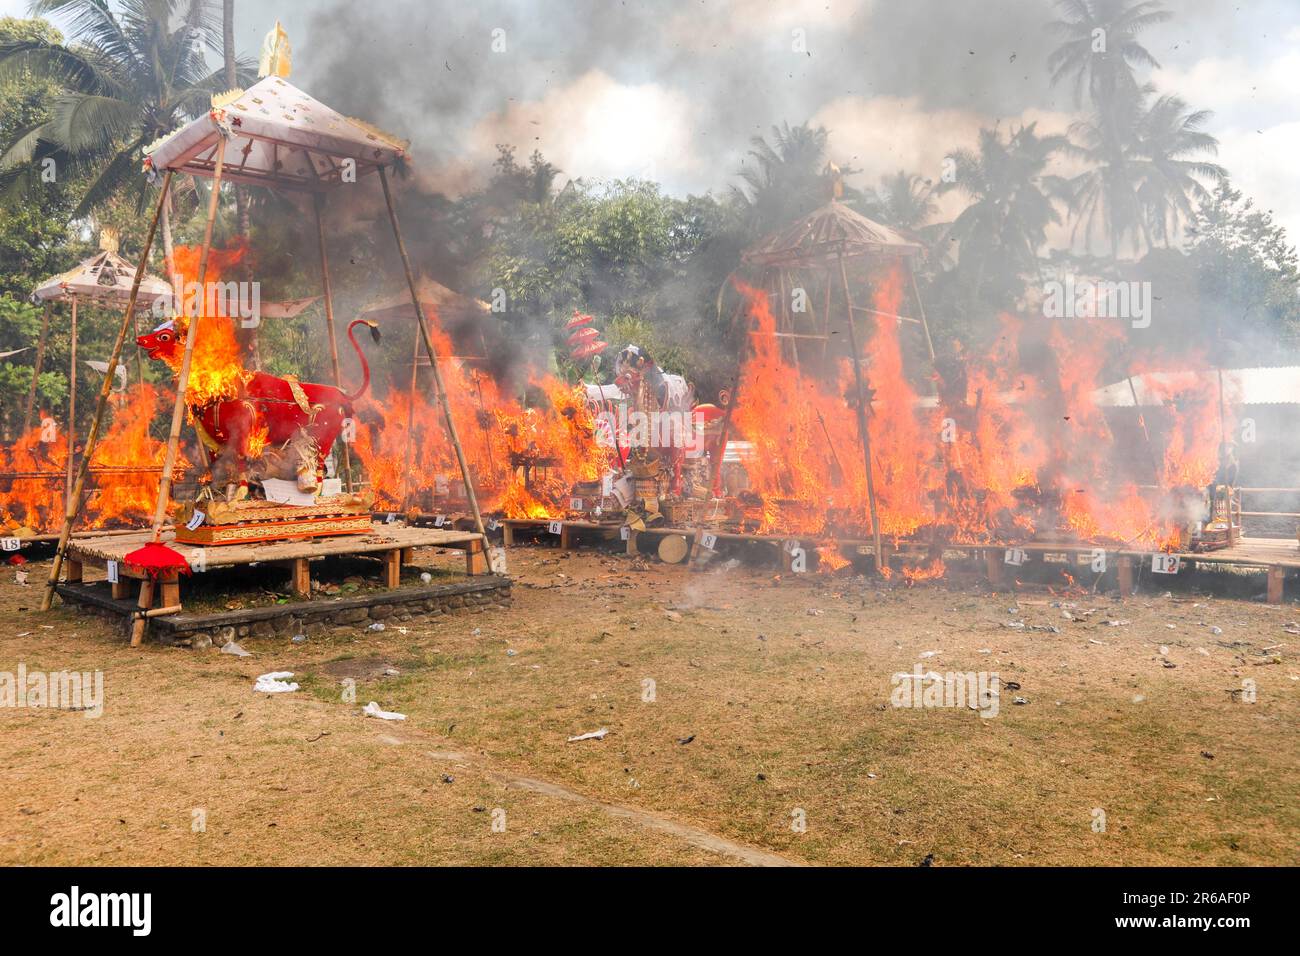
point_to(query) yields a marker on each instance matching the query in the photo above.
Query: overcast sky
(672, 90)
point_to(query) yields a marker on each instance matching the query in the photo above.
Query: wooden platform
(1274, 556)
(395, 545)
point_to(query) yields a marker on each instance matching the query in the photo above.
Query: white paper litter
(594, 735)
(274, 683)
(372, 710)
(230, 647)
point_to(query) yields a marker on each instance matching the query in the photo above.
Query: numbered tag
(709, 541)
(439, 520)
(10, 544)
(112, 572)
(390, 517)
(575, 504)
(790, 546)
(493, 524)
(349, 431)
(1014, 557)
(497, 560)
(624, 532)
(555, 527)
(198, 560)
(196, 520)
(1165, 563)
(606, 486)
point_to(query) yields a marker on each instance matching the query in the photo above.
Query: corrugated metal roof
(1241, 386)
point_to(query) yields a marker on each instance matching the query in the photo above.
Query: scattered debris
(685, 740)
(230, 647)
(594, 735)
(372, 710)
(274, 682)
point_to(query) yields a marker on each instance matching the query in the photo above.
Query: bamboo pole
(863, 431)
(433, 355)
(317, 204)
(70, 514)
(36, 368)
(191, 336)
(72, 411)
(410, 417)
(920, 308)
(1146, 437)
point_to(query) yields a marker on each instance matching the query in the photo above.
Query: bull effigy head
(163, 343)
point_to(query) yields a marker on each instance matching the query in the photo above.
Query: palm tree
(1143, 176)
(903, 200)
(1168, 138)
(1012, 201)
(127, 79)
(1103, 199)
(784, 179)
(1100, 46)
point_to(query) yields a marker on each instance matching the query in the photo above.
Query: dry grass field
(748, 720)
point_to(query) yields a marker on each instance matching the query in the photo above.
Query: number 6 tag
(555, 527)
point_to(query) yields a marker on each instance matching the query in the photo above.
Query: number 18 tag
(10, 544)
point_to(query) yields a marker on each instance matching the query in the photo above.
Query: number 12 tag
(1164, 563)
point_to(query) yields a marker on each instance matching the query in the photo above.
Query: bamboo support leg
(121, 589)
(566, 537)
(433, 356)
(631, 541)
(507, 534)
(92, 436)
(171, 590)
(329, 324)
(36, 368)
(72, 413)
(146, 601)
(408, 556)
(74, 573)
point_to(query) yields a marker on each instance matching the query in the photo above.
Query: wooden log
(75, 572)
(864, 431)
(507, 534)
(121, 589)
(408, 556)
(300, 577)
(631, 541)
(392, 568)
(72, 412)
(476, 560)
(145, 602)
(171, 590)
(1276, 577)
(566, 536)
(993, 567)
(673, 548)
(1126, 578)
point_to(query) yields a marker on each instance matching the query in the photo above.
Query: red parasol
(158, 560)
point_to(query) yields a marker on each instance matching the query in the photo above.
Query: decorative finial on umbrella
(276, 56)
(835, 179)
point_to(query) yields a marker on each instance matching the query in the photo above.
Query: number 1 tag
(624, 532)
(196, 520)
(112, 572)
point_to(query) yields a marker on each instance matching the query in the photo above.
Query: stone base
(350, 615)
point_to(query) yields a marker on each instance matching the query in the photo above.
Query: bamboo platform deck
(1275, 556)
(395, 545)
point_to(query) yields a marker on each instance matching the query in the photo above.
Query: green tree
(782, 180)
(126, 79)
